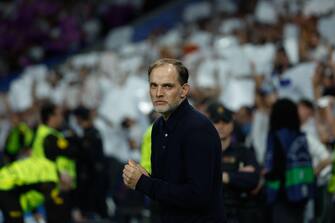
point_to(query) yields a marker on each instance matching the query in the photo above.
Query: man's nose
(159, 92)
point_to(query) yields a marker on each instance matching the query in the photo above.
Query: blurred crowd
(41, 30)
(243, 54)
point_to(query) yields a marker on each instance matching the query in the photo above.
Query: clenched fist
(132, 173)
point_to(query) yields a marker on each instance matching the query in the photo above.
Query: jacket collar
(176, 116)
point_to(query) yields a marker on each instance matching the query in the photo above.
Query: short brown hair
(181, 69)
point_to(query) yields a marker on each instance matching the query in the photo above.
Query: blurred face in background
(224, 129)
(166, 91)
(56, 119)
(281, 62)
(304, 113)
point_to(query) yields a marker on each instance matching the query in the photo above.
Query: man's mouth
(160, 102)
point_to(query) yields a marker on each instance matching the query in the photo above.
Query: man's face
(224, 129)
(57, 117)
(304, 113)
(166, 92)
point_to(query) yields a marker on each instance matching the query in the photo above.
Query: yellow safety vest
(13, 145)
(146, 150)
(26, 172)
(63, 163)
(331, 183)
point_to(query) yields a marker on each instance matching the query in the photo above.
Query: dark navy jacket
(186, 175)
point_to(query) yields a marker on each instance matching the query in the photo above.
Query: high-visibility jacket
(26, 172)
(63, 163)
(146, 150)
(19, 137)
(29, 171)
(331, 183)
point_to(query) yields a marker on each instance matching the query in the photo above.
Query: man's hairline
(175, 69)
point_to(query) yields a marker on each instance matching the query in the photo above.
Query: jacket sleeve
(202, 150)
(245, 181)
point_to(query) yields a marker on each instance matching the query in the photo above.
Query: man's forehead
(166, 72)
(166, 68)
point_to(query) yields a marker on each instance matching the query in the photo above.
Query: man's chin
(161, 110)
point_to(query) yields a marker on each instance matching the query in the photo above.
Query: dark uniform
(240, 164)
(240, 205)
(91, 191)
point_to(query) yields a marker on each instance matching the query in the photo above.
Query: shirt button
(166, 135)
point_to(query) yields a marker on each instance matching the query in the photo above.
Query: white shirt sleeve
(317, 150)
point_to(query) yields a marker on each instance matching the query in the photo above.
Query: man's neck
(168, 114)
(86, 125)
(225, 143)
(51, 125)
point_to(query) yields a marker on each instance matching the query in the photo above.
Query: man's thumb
(132, 163)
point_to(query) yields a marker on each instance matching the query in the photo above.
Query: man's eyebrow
(163, 84)
(168, 84)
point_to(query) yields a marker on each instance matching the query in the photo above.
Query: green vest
(63, 163)
(146, 150)
(13, 144)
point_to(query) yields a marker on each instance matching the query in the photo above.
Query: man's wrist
(143, 183)
(225, 177)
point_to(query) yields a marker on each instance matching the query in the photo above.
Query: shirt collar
(176, 115)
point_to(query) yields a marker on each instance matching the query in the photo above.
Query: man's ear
(185, 90)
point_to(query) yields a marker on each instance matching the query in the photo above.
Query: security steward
(91, 190)
(37, 179)
(19, 139)
(50, 143)
(240, 170)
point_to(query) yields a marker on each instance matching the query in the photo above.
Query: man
(26, 183)
(51, 144)
(19, 139)
(185, 159)
(91, 191)
(240, 170)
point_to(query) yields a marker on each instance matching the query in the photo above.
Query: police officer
(240, 170)
(92, 178)
(50, 143)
